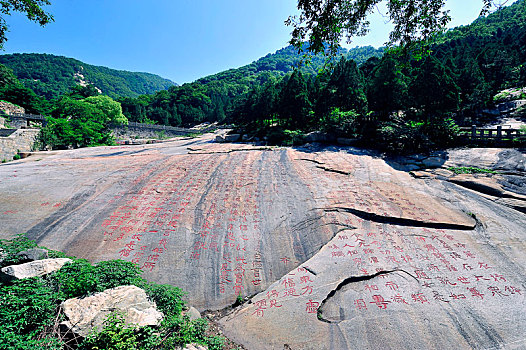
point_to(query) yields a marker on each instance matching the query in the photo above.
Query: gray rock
(220, 138)
(34, 254)
(33, 268)
(232, 137)
(433, 162)
(345, 141)
(193, 313)
(316, 136)
(85, 314)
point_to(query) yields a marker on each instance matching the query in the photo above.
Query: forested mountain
(215, 97)
(51, 76)
(397, 103)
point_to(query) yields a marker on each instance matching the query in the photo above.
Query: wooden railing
(494, 134)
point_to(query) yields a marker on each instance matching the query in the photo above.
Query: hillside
(214, 97)
(51, 76)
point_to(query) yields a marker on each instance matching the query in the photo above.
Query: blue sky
(181, 40)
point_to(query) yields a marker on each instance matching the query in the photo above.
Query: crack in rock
(399, 221)
(349, 280)
(333, 170)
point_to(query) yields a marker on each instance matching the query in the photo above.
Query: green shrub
(80, 278)
(11, 247)
(117, 335)
(28, 306)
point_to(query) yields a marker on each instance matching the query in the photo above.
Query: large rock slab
(302, 230)
(85, 314)
(33, 268)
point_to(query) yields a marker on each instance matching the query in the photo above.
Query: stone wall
(21, 140)
(9, 108)
(146, 131)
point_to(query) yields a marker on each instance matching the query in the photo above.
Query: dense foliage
(12, 90)
(81, 122)
(51, 76)
(395, 103)
(215, 97)
(324, 23)
(29, 308)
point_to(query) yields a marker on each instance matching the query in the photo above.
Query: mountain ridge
(52, 75)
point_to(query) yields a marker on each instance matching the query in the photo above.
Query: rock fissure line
(398, 221)
(333, 170)
(349, 280)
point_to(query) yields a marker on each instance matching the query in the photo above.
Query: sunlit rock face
(337, 248)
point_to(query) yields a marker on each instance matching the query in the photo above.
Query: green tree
(82, 123)
(387, 87)
(31, 8)
(345, 89)
(294, 106)
(324, 23)
(433, 89)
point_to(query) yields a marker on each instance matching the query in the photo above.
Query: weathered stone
(193, 313)
(34, 254)
(232, 137)
(388, 260)
(10, 109)
(21, 140)
(220, 138)
(433, 162)
(316, 136)
(85, 314)
(33, 268)
(443, 172)
(345, 141)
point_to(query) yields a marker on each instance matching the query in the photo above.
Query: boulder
(232, 137)
(345, 141)
(433, 162)
(34, 254)
(32, 269)
(85, 314)
(193, 313)
(316, 136)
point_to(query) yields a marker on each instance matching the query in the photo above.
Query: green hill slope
(51, 76)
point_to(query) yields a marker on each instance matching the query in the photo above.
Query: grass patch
(470, 170)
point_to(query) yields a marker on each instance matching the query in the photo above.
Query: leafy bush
(81, 278)
(117, 335)
(9, 248)
(29, 307)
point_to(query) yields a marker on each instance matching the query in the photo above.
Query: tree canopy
(324, 23)
(31, 8)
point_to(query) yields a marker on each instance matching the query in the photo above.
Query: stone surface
(22, 140)
(33, 268)
(232, 137)
(433, 162)
(389, 261)
(316, 136)
(34, 254)
(193, 313)
(85, 314)
(9, 108)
